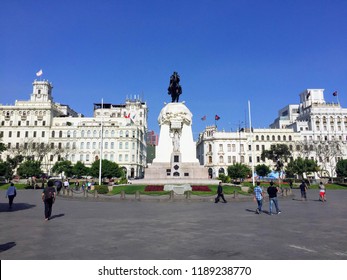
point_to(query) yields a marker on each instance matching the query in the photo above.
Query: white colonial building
(49, 131)
(313, 129)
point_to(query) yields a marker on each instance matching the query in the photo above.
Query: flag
(216, 117)
(335, 93)
(127, 116)
(203, 118)
(39, 73)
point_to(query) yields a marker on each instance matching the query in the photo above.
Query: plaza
(164, 230)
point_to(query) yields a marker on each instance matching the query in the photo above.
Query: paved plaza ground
(87, 229)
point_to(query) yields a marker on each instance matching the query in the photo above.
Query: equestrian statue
(175, 90)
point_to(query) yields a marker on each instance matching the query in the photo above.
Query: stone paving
(162, 229)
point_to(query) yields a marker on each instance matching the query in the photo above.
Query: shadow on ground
(7, 246)
(15, 207)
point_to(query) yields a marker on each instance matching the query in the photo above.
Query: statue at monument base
(176, 150)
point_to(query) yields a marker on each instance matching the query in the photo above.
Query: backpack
(49, 193)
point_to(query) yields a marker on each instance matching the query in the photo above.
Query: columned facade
(48, 131)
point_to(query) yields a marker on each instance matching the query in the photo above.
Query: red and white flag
(127, 116)
(39, 73)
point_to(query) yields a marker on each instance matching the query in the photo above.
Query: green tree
(279, 154)
(109, 169)
(300, 166)
(6, 170)
(262, 170)
(79, 169)
(239, 171)
(341, 168)
(63, 166)
(2, 147)
(30, 168)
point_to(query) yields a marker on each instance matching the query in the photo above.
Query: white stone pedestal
(176, 150)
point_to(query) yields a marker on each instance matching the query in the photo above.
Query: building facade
(48, 131)
(313, 129)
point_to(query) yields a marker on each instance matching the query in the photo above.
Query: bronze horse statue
(175, 90)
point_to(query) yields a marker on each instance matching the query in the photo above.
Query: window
(284, 138)
(120, 158)
(18, 134)
(229, 148)
(120, 145)
(126, 158)
(88, 145)
(221, 159)
(52, 145)
(279, 138)
(53, 134)
(82, 145)
(89, 133)
(94, 133)
(34, 134)
(59, 145)
(87, 157)
(268, 137)
(229, 159)
(43, 134)
(60, 134)
(126, 145)
(273, 138)
(106, 145)
(257, 147)
(262, 138)
(257, 138)
(94, 145)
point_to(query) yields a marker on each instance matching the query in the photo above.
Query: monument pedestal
(176, 150)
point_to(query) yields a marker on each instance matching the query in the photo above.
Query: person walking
(48, 197)
(220, 193)
(258, 196)
(272, 191)
(303, 189)
(11, 194)
(322, 192)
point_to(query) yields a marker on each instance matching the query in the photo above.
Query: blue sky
(226, 52)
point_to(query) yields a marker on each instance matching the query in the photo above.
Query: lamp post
(101, 140)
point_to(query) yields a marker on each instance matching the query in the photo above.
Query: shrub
(201, 189)
(154, 188)
(101, 189)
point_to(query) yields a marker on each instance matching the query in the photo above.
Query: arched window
(60, 134)
(268, 137)
(257, 138)
(53, 134)
(284, 138)
(89, 133)
(273, 138)
(95, 133)
(290, 138)
(279, 138)
(262, 138)
(82, 146)
(82, 133)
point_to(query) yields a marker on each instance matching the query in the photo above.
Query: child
(322, 192)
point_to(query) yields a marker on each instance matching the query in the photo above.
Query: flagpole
(101, 143)
(251, 134)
